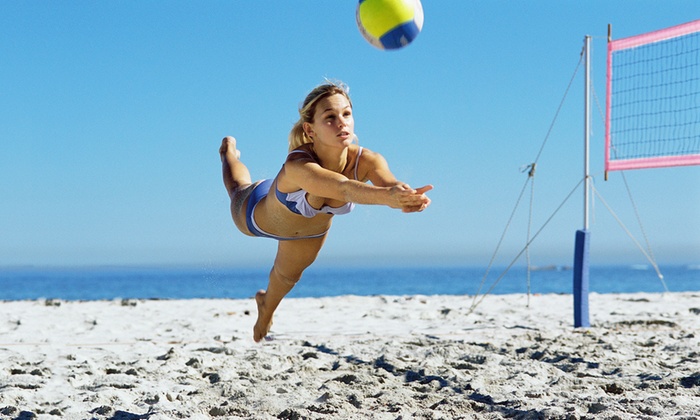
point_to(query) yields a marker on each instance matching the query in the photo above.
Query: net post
(580, 285)
(609, 41)
(586, 131)
(606, 108)
(581, 272)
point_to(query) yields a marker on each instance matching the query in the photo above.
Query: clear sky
(111, 114)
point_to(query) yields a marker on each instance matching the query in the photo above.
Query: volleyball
(389, 24)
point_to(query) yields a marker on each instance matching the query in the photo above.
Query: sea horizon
(188, 282)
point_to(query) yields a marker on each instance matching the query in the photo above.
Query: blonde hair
(298, 136)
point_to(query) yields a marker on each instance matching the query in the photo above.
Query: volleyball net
(653, 99)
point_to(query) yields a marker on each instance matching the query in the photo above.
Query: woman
(324, 175)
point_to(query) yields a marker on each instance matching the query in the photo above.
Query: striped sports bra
(297, 202)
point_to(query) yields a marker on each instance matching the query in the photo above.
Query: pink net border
(632, 42)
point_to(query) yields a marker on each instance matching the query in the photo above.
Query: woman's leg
(293, 257)
(236, 174)
(237, 182)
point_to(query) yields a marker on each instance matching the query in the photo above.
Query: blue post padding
(581, 279)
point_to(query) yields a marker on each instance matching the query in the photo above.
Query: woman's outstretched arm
(385, 190)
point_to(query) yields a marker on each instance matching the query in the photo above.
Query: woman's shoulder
(368, 162)
(303, 152)
(367, 155)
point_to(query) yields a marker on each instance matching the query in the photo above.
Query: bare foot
(228, 145)
(264, 322)
(235, 173)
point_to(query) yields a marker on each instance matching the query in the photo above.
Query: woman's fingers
(411, 200)
(425, 189)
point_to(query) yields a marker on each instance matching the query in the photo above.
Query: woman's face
(333, 123)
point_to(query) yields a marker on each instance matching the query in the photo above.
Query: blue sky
(111, 114)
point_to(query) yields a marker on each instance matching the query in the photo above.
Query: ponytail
(297, 136)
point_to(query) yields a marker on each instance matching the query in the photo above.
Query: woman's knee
(293, 257)
(289, 278)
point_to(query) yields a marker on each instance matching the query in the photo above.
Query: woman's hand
(409, 200)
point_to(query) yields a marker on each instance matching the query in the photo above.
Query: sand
(379, 357)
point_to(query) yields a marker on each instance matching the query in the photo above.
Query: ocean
(107, 283)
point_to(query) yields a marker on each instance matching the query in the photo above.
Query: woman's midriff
(275, 218)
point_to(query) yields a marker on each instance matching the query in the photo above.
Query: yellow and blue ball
(389, 24)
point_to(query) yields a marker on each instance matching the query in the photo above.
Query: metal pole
(586, 131)
(581, 252)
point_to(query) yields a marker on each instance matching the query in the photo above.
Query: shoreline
(354, 357)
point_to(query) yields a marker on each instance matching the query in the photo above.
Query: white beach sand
(381, 357)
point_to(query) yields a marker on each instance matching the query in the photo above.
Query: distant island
(551, 268)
